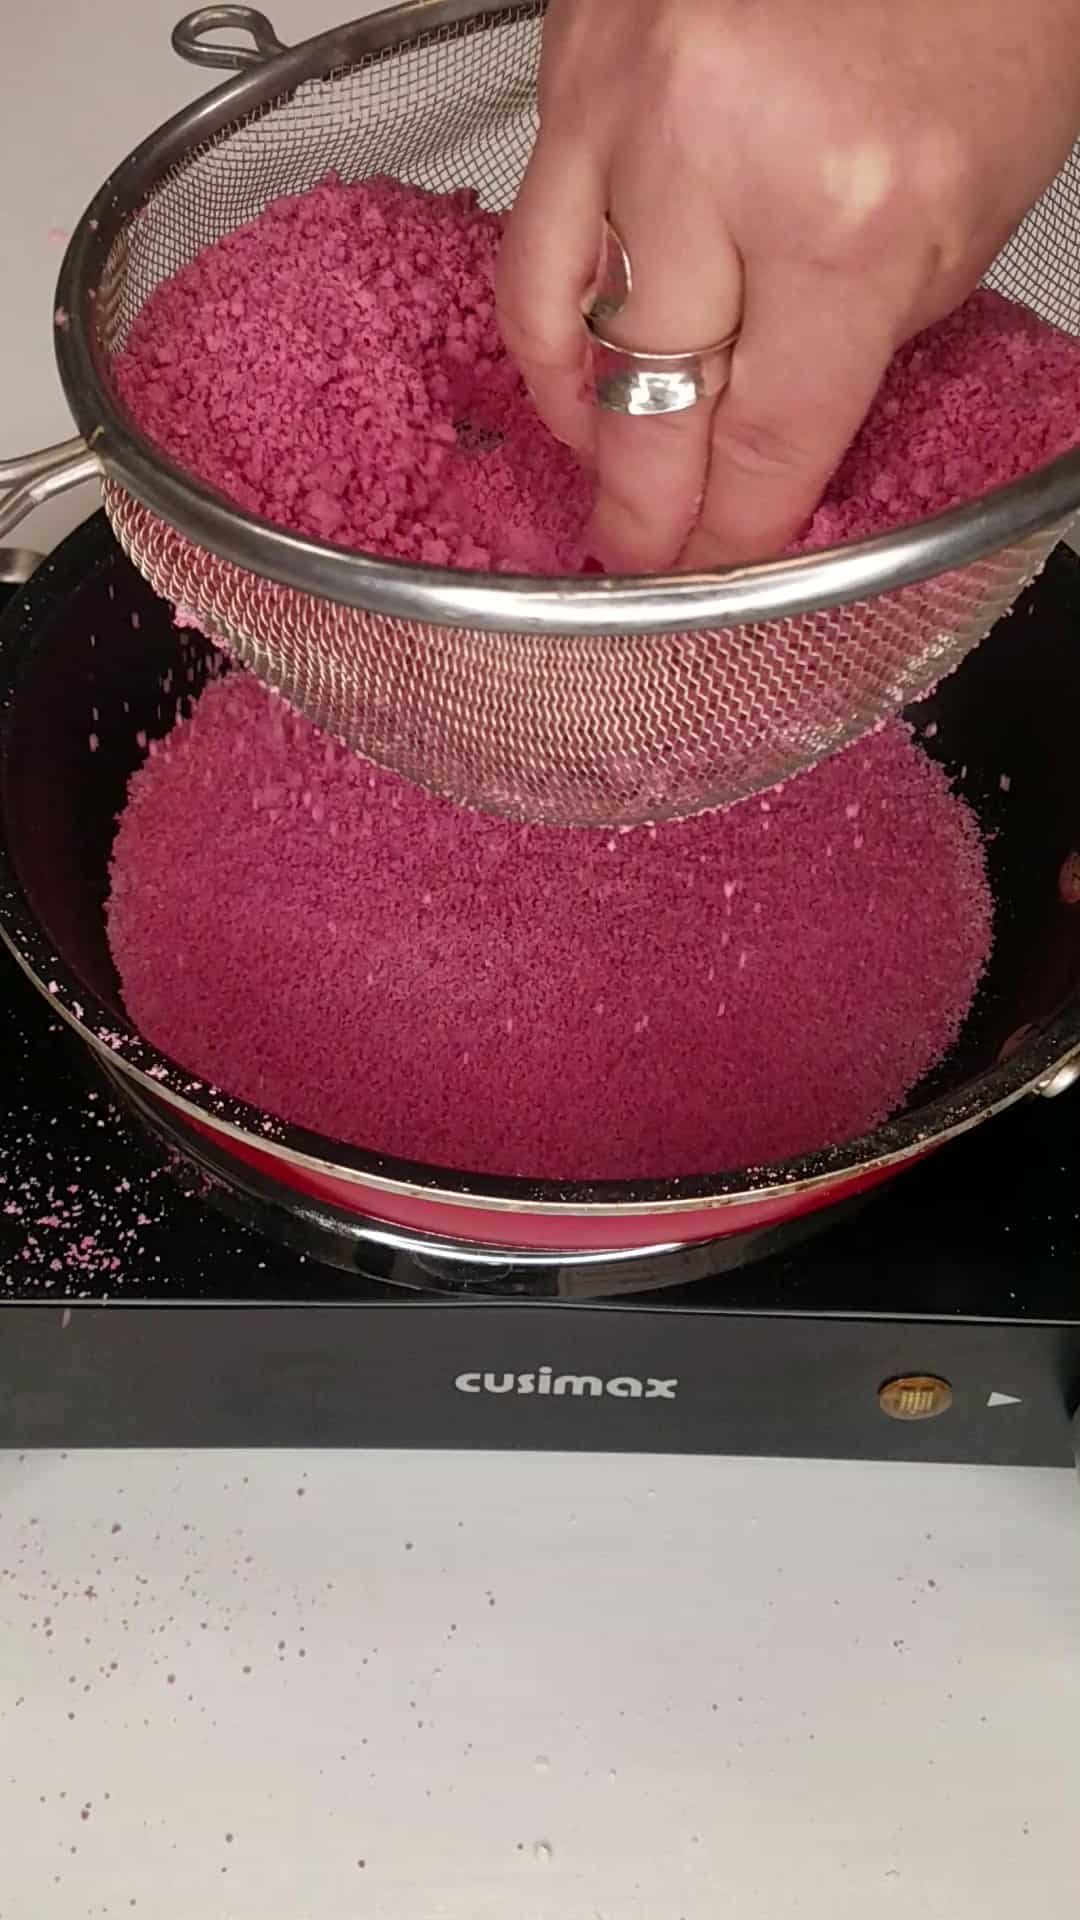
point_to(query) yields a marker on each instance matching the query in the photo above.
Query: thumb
(547, 261)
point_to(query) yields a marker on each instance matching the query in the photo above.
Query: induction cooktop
(148, 1300)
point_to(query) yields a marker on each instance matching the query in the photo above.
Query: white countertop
(548, 1688)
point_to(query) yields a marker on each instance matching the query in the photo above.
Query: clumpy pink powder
(335, 366)
(332, 944)
(978, 400)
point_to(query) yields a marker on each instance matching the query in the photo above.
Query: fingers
(686, 293)
(809, 361)
(547, 264)
(709, 487)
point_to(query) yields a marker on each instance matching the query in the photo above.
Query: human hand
(829, 175)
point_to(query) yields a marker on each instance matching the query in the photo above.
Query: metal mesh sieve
(585, 727)
(576, 701)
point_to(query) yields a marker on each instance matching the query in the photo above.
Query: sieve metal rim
(520, 604)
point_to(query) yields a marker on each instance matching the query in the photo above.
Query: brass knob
(915, 1396)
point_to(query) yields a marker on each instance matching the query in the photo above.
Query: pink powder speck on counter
(435, 984)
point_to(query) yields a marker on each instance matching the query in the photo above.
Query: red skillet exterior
(590, 1231)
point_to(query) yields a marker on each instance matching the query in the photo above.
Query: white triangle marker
(1003, 1400)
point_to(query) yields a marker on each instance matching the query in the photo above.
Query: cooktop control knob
(915, 1396)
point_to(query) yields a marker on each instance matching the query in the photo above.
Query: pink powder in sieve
(332, 944)
(985, 396)
(335, 366)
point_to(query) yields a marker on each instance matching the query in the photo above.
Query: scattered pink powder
(330, 943)
(73, 1240)
(335, 366)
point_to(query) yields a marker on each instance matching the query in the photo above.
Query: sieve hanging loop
(190, 42)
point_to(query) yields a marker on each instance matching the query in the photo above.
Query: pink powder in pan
(330, 943)
(335, 366)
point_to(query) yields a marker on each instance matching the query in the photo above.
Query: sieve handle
(190, 42)
(29, 482)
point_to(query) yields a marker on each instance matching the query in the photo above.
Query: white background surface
(538, 1689)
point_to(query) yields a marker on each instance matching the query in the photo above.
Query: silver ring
(629, 380)
(640, 384)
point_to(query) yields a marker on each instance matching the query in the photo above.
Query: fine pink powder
(333, 945)
(335, 366)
